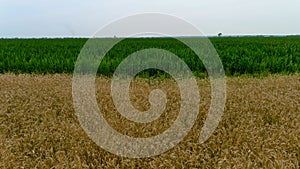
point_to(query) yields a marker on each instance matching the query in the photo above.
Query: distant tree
(220, 34)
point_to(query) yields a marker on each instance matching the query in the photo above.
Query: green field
(239, 55)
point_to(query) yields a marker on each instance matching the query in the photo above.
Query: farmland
(248, 55)
(259, 128)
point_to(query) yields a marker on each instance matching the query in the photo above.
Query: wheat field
(260, 127)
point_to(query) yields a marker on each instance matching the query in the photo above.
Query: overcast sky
(51, 18)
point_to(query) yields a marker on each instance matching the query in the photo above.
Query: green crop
(243, 55)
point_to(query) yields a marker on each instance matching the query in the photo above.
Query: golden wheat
(260, 126)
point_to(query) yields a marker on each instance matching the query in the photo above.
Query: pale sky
(65, 18)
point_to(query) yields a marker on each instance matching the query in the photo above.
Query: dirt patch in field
(260, 126)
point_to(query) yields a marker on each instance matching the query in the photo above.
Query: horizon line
(180, 36)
